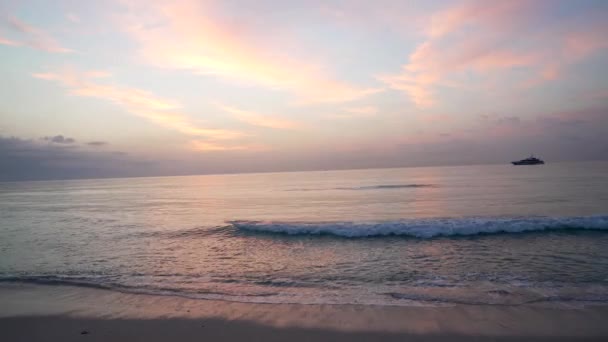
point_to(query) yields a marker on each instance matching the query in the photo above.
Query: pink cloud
(571, 47)
(433, 62)
(32, 37)
(586, 40)
(502, 60)
(9, 42)
(498, 16)
(486, 38)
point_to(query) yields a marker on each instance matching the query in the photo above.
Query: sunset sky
(125, 88)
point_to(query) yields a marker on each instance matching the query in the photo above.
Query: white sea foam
(428, 228)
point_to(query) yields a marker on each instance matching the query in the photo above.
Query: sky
(120, 88)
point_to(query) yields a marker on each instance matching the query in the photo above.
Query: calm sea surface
(500, 234)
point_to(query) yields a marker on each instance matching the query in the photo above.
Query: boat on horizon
(529, 161)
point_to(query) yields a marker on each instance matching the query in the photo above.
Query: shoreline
(47, 313)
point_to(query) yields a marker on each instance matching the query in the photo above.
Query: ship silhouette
(529, 161)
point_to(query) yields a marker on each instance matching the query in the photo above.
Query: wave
(427, 228)
(60, 280)
(387, 186)
(85, 282)
(499, 297)
(583, 298)
(199, 231)
(370, 187)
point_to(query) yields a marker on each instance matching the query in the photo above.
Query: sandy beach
(62, 328)
(302, 170)
(62, 313)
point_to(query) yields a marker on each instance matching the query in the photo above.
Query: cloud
(497, 16)
(601, 94)
(187, 36)
(568, 135)
(59, 139)
(97, 143)
(489, 119)
(256, 119)
(364, 111)
(25, 159)
(357, 112)
(4, 41)
(404, 17)
(73, 18)
(546, 129)
(587, 39)
(206, 146)
(137, 102)
(576, 44)
(415, 87)
(80, 85)
(484, 38)
(30, 36)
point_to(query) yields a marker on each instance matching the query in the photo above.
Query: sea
(427, 236)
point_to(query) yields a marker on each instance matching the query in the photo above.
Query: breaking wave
(428, 228)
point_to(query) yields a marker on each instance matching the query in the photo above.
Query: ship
(529, 161)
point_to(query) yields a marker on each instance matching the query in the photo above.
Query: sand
(59, 328)
(63, 313)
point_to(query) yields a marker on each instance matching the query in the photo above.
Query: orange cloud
(135, 101)
(126, 97)
(363, 111)
(356, 113)
(183, 124)
(31, 36)
(256, 119)
(185, 36)
(206, 146)
(416, 87)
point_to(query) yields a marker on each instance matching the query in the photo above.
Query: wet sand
(63, 313)
(61, 328)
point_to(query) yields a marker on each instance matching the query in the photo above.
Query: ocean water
(489, 235)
